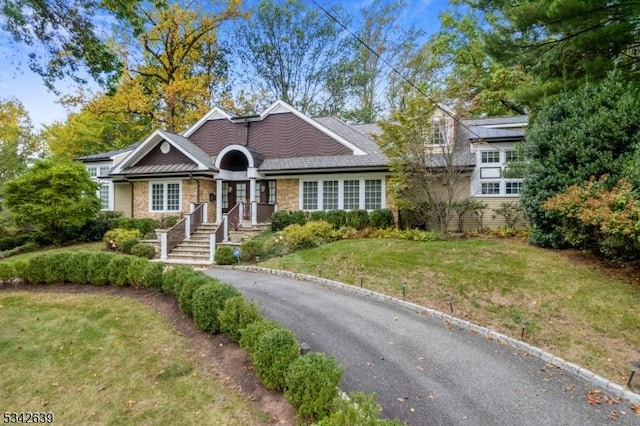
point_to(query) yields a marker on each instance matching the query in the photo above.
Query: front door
(232, 193)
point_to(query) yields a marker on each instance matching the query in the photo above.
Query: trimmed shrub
(208, 301)
(312, 384)
(175, 277)
(119, 270)
(358, 219)
(236, 315)
(357, 409)
(170, 221)
(322, 231)
(194, 282)
(224, 256)
(128, 244)
(153, 275)
(298, 217)
(38, 269)
(20, 268)
(337, 218)
(8, 243)
(77, 267)
(145, 250)
(115, 237)
(98, 268)
(253, 332)
(318, 215)
(250, 249)
(7, 272)
(144, 226)
(381, 218)
(280, 219)
(274, 352)
(298, 237)
(135, 272)
(95, 229)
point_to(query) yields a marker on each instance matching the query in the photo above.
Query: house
(245, 167)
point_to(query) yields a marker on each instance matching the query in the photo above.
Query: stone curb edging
(571, 368)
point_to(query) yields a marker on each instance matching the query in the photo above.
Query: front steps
(195, 251)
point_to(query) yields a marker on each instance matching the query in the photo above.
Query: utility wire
(384, 61)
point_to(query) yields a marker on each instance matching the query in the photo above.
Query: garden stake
(404, 289)
(635, 365)
(361, 276)
(450, 300)
(524, 324)
(319, 268)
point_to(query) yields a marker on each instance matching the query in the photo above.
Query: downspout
(197, 187)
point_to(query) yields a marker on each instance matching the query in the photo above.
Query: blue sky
(16, 80)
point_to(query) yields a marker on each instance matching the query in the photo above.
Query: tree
(423, 153)
(563, 44)
(589, 133)
(53, 197)
(17, 141)
(68, 33)
(292, 49)
(176, 64)
(367, 70)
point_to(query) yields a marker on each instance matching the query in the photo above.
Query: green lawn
(103, 360)
(573, 310)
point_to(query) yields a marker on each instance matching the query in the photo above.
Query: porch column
(252, 200)
(218, 200)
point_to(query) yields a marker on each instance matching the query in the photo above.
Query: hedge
(274, 352)
(208, 300)
(236, 315)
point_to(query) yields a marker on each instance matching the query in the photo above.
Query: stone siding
(287, 194)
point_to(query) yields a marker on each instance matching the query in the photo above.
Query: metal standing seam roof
(159, 169)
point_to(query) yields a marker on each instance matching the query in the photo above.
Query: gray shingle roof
(106, 155)
(327, 162)
(496, 121)
(188, 146)
(349, 133)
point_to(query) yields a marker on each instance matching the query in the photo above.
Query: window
(103, 194)
(309, 195)
(92, 171)
(330, 194)
(372, 194)
(438, 133)
(511, 156)
(165, 196)
(491, 188)
(490, 156)
(104, 171)
(513, 188)
(351, 200)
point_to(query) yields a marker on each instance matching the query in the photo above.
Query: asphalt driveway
(424, 372)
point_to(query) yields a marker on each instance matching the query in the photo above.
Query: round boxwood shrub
(119, 270)
(77, 267)
(39, 269)
(236, 315)
(312, 384)
(358, 409)
(114, 238)
(98, 268)
(194, 282)
(250, 249)
(7, 273)
(273, 354)
(338, 218)
(153, 275)
(175, 277)
(135, 272)
(208, 301)
(358, 219)
(280, 219)
(253, 332)
(224, 256)
(128, 244)
(144, 250)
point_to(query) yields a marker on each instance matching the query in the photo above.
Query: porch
(194, 241)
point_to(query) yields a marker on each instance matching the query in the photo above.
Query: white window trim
(97, 166)
(164, 183)
(477, 180)
(341, 178)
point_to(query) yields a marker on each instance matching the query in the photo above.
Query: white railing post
(225, 224)
(254, 213)
(275, 207)
(212, 247)
(205, 213)
(163, 245)
(192, 206)
(187, 227)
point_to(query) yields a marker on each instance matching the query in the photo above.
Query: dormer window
(438, 132)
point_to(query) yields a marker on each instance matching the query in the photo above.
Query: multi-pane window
(490, 188)
(438, 133)
(351, 200)
(511, 156)
(104, 171)
(104, 196)
(330, 194)
(372, 194)
(513, 187)
(165, 196)
(490, 156)
(93, 171)
(309, 195)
